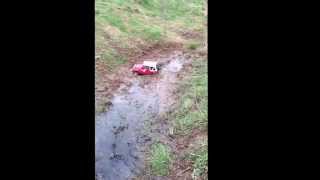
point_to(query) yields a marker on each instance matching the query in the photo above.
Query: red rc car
(147, 68)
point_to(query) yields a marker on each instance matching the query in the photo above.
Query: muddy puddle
(121, 133)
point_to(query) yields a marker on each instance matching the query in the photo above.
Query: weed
(160, 159)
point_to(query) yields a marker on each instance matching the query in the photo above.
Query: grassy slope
(189, 116)
(124, 27)
(193, 110)
(189, 122)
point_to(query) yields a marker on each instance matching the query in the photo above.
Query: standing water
(120, 138)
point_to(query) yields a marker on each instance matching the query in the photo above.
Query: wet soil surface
(123, 132)
(108, 80)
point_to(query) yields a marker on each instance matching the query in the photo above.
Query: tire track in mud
(121, 134)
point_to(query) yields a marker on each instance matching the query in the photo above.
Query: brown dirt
(108, 81)
(181, 146)
(182, 167)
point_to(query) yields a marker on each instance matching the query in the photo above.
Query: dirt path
(124, 132)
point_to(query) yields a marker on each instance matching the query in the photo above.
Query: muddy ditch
(134, 119)
(107, 82)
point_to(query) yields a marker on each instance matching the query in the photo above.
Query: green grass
(173, 9)
(192, 112)
(160, 159)
(140, 23)
(200, 162)
(112, 59)
(115, 21)
(153, 33)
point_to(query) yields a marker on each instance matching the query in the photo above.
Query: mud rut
(123, 133)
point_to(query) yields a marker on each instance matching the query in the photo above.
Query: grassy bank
(190, 119)
(189, 122)
(193, 110)
(125, 27)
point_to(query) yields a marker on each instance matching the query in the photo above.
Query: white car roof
(150, 63)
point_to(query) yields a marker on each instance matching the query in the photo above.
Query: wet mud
(122, 134)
